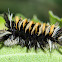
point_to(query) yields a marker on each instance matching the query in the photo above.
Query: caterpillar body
(29, 34)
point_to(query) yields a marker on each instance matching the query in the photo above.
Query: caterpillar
(29, 34)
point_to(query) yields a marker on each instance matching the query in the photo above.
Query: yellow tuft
(51, 29)
(16, 20)
(30, 25)
(43, 28)
(25, 21)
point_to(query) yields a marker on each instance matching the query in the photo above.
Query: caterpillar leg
(50, 44)
(27, 45)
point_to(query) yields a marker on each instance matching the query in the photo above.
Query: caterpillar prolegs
(29, 34)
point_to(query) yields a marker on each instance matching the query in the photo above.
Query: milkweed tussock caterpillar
(29, 34)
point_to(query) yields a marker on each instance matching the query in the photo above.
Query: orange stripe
(43, 29)
(37, 24)
(16, 20)
(51, 29)
(25, 21)
(30, 25)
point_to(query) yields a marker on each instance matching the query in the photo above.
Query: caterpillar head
(58, 36)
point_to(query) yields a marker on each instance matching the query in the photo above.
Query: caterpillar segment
(35, 28)
(47, 30)
(22, 23)
(44, 28)
(29, 26)
(40, 29)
